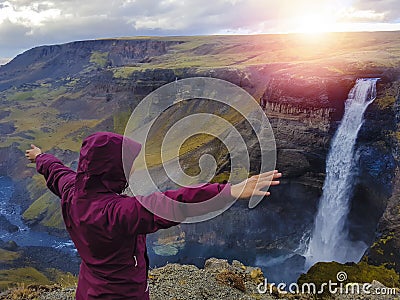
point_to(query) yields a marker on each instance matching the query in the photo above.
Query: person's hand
(32, 153)
(255, 184)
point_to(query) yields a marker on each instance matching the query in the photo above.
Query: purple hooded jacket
(109, 229)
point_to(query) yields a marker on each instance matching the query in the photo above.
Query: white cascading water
(329, 240)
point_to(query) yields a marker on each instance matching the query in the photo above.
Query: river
(25, 236)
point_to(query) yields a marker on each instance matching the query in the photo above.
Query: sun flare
(314, 23)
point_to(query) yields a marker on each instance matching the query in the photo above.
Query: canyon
(54, 96)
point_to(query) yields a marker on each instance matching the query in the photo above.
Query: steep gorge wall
(381, 161)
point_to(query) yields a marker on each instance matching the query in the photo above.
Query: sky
(25, 24)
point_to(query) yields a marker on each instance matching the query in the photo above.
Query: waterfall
(329, 240)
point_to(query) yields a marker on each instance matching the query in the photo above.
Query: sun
(314, 23)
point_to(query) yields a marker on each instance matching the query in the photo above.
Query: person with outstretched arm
(108, 228)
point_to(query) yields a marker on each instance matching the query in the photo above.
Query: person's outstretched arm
(59, 178)
(140, 214)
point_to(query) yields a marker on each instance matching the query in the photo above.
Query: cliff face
(303, 129)
(56, 95)
(384, 155)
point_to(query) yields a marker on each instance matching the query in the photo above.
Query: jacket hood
(100, 167)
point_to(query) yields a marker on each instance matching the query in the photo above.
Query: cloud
(388, 9)
(12, 34)
(24, 24)
(28, 23)
(352, 15)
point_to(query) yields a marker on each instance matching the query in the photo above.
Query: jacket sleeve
(136, 212)
(59, 178)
